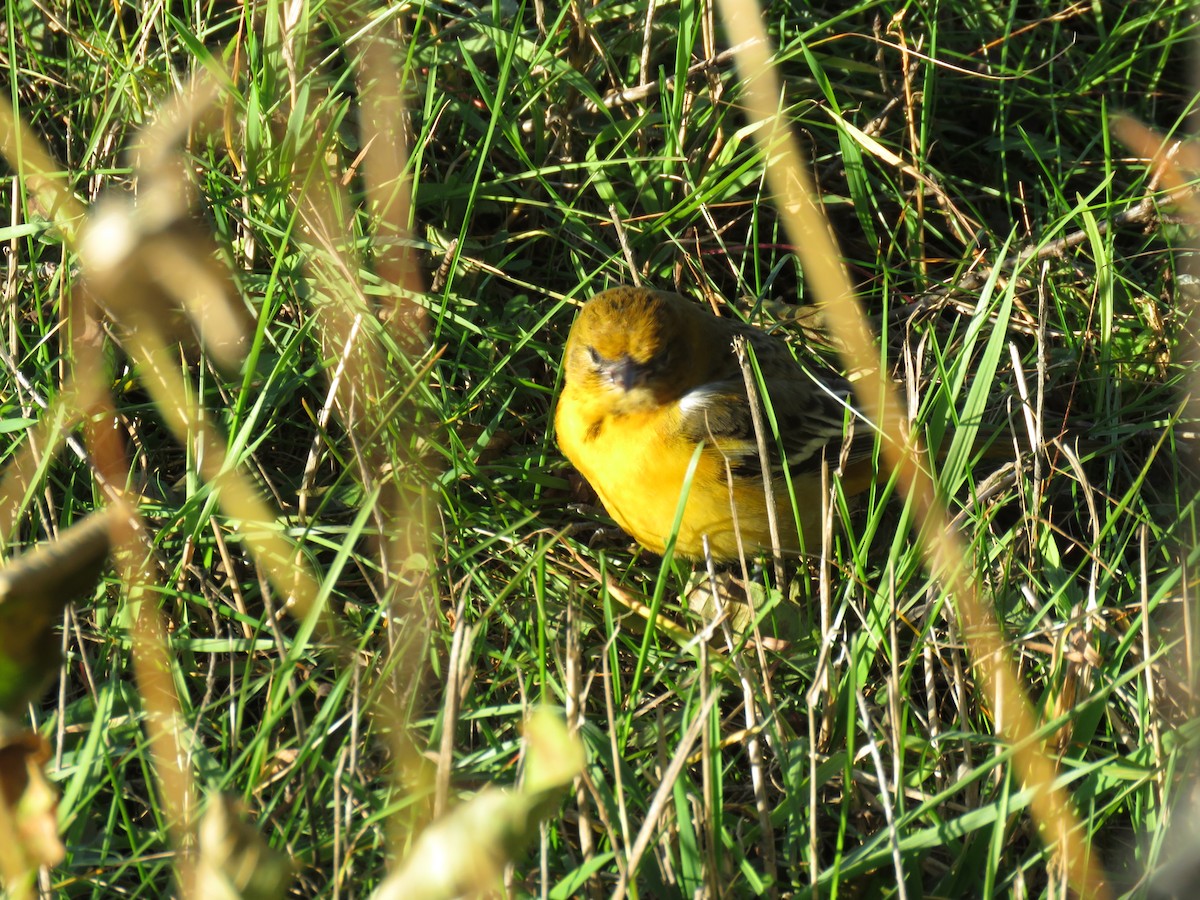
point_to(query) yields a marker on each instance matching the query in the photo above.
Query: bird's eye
(595, 357)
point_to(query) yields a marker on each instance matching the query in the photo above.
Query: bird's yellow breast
(638, 463)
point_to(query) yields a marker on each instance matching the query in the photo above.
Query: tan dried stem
(350, 325)
(945, 552)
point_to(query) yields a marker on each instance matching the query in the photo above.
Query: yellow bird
(650, 377)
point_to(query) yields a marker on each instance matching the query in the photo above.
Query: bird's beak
(625, 373)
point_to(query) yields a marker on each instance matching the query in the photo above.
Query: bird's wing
(810, 412)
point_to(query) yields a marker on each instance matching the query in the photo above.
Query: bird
(652, 382)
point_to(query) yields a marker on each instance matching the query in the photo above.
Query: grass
(953, 144)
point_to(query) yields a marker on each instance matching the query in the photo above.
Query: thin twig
(663, 794)
(764, 459)
(884, 799)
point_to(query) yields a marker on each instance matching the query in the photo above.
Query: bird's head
(630, 348)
